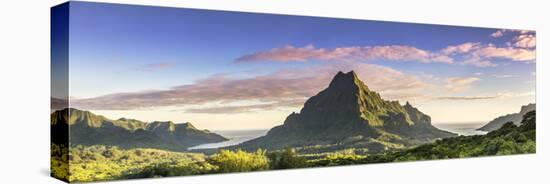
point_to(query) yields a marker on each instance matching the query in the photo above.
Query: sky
(229, 70)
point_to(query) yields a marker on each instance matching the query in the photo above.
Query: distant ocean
(462, 128)
(238, 136)
(235, 137)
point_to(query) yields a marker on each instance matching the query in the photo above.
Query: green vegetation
(239, 161)
(508, 140)
(59, 161)
(286, 159)
(99, 163)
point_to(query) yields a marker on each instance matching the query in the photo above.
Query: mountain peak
(527, 108)
(351, 75)
(161, 126)
(347, 108)
(345, 80)
(514, 117)
(186, 125)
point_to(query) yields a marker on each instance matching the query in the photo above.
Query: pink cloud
(525, 41)
(283, 88)
(502, 32)
(474, 53)
(461, 48)
(498, 33)
(366, 53)
(479, 63)
(245, 108)
(480, 55)
(515, 54)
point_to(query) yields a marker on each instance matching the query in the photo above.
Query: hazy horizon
(480, 122)
(228, 70)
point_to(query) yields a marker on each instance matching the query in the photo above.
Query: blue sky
(125, 60)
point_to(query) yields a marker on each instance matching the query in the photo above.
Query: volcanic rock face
(346, 109)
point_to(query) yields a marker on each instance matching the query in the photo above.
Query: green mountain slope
(515, 118)
(86, 128)
(348, 112)
(510, 139)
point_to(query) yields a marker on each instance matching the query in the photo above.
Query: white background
(25, 94)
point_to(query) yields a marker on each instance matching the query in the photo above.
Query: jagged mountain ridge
(86, 128)
(349, 109)
(514, 117)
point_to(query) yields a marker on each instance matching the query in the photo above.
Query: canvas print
(146, 92)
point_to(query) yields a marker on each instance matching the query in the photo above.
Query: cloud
(479, 63)
(515, 54)
(279, 89)
(480, 55)
(501, 32)
(457, 84)
(58, 103)
(477, 54)
(365, 53)
(525, 41)
(466, 97)
(229, 109)
(245, 108)
(520, 49)
(461, 48)
(508, 94)
(499, 95)
(498, 33)
(523, 38)
(473, 53)
(504, 76)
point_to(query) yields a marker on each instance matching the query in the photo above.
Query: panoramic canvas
(143, 92)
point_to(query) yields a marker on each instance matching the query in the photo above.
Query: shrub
(239, 161)
(286, 159)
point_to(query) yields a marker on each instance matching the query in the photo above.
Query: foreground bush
(286, 159)
(239, 161)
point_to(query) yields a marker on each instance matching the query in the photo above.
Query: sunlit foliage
(99, 163)
(239, 161)
(286, 159)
